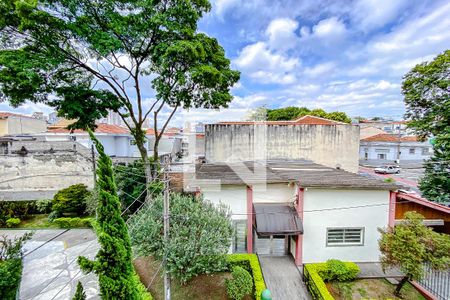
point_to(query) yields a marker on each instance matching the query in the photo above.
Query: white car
(387, 170)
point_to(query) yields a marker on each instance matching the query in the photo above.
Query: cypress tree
(113, 263)
(79, 294)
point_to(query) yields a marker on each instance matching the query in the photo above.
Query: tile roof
(62, 123)
(307, 173)
(101, 128)
(386, 137)
(7, 114)
(305, 120)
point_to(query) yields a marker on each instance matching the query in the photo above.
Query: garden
(70, 208)
(338, 280)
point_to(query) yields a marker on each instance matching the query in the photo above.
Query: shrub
(241, 284)
(54, 215)
(337, 270)
(71, 199)
(73, 222)
(250, 263)
(92, 202)
(79, 293)
(16, 209)
(44, 206)
(315, 283)
(11, 265)
(12, 222)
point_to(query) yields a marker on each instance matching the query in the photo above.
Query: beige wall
(330, 145)
(19, 125)
(3, 126)
(369, 131)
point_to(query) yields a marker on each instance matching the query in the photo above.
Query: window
(412, 150)
(425, 151)
(345, 237)
(132, 142)
(382, 150)
(381, 156)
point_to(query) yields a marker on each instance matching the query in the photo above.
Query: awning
(277, 219)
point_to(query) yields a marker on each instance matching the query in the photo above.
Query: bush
(315, 283)
(79, 293)
(337, 270)
(73, 222)
(11, 265)
(16, 209)
(250, 263)
(241, 284)
(71, 199)
(54, 215)
(92, 202)
(12, 222)
(44, 206)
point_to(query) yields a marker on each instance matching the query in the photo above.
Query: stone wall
(32, 170)
(329, 145)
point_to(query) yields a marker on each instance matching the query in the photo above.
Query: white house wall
(235, 196)
(323, 208)
(274, 192)
(390, 149)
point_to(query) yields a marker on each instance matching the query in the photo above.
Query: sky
(337, 55)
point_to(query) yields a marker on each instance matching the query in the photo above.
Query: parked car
(387, 170)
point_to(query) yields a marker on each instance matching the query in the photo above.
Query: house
(369, 131)
(389, 148)
(330, 143)
(299, 208)
(14, 124)
(393, 127)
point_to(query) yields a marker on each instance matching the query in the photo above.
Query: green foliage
(131, 184)
(142, 290)
(200, 235)
(91, 202)
(426, 90)
(389, 180)
(79, 293)
(71, 199)
(241, 284)
(11, 265)
(337, 270)
(292, 113)
(113, 262)
(12, 222)
(410, 244)
(315, 283)
(54, 215)
(16, 209)
(73, 222)
(250, 263)
(44, 206)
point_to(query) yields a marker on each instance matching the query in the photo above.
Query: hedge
(73, 222)
(315, 283)
(316, 274)
(145, 295)
(16, 209)
(250, 263)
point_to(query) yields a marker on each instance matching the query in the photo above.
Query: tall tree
(426, 90)
(113, 262)
(409, 245)
(85, 57)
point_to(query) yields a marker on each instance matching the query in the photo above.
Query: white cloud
(329, 28)
(222, 6)
(320, 69)
(281, 33)
(372, 14)
(260, 63)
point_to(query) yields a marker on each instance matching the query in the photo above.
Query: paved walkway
(374, 270)
(283, 278)
(50, 269)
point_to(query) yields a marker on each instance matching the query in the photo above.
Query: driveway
(283, 278)
(50, 269)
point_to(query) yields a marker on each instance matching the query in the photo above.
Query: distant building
(330, 143)
(13, 124)
(53, 118)
(366, 132)
(393, 127)
(388, 148)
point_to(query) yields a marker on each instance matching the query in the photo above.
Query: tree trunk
(400, 285)
(147, 166)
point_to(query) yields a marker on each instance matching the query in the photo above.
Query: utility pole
(166, 229)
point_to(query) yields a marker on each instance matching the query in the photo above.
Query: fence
(436, 282)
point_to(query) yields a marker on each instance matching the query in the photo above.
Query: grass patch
(370, 289)
(207, 286)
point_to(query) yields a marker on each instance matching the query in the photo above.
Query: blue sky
(337, 55)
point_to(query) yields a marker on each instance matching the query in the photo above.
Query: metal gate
(436, 282)
(271, 245)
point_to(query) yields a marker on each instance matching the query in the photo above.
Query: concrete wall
(23, 125)
(235, 196)
(328, 145)
(3, 126)
(43, 169)
(317, 219)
